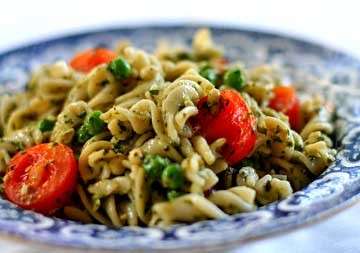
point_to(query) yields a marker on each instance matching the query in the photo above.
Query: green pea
(154, 166)
(120, 147)
(234, 78)
(209, 73)
(92, 125)
(171, 195)
(172, 177)
(46, 125)
(120, 68)
(83, 134)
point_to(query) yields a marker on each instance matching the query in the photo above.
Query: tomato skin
(294, 114)
(89, 59)
(286, 101)
(232, 120)
(42, 178)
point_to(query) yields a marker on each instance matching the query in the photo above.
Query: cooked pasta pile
(144, 163)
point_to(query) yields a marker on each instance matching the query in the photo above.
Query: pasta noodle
(141, 158)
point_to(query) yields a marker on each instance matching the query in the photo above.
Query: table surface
(332, 23)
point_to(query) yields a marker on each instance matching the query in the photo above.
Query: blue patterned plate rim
(337, 187)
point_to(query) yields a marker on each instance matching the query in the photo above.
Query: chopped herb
(320, 138)
(268, 143)
(67, 120)
(1, 184)
(330, 159)
(183, 56)
(154, 89)
(19, 145)
(248, 162)
(46, 125)
(243, 173)
(77, 154)
(104, 82)
(277, 139)
(262, 129)
(82, 114)
(120, 147)
(312, 158)
(277, 130)
(96, 203)
(268, 186)
(171, 195)
(298, 146)
(154, 92)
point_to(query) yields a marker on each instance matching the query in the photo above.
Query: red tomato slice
(42, 178)
(286, 101)
(232, 120)
(87, 60)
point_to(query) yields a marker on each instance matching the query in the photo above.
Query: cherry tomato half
(42, 178)
(89, 59)
(286, 101)
(231, 120)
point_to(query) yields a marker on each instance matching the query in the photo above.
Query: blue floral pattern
(336, 75)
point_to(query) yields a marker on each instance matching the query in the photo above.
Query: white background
(335, 23)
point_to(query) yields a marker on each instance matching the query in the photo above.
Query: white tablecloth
(332, 22)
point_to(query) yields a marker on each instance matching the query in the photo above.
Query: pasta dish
(123, 137)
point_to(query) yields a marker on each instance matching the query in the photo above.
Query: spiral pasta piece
(187, 208)
(269, 189)
(53, 82)
(318, 152)
(71, 117)
(234, 200)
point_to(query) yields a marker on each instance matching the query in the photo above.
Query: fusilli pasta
(141, 157)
